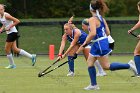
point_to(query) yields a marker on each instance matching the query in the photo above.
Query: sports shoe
(70, 74)
(91, 87)
(138, 76)
(133, 67)
(33, 59)
(101, 74)
(11, 67)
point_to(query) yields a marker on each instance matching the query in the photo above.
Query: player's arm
(92, 33)
(136, 26)
(107, 28)
(2, 28)
(62, 46)
(15, 21)
(92, 22)
(74, 42)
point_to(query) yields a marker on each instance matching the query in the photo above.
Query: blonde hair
(72, 26)
(85, 21)
(138, 3)
(3, 5)
(100, 5)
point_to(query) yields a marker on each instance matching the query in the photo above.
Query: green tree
(66, 8)
(132, 7)
(117, 8)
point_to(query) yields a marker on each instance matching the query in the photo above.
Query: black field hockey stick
(133, 34)
(44, 73)
(48, 67)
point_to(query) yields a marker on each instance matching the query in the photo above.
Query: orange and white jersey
(6, 23)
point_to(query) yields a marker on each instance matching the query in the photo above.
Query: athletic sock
(137, 63)
(92, 74)
(118, 66)
(99, 67)
(10, 58)
(24, 53)
(71, 63)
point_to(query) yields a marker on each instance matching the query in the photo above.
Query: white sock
(11, 61)
(97, 64)
(24, 53)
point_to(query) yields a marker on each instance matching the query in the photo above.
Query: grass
(24, 78)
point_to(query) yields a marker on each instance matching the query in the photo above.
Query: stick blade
(40, 74)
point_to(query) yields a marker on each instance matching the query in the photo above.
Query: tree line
(66, 8)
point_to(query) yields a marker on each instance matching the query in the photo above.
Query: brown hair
(100, 5)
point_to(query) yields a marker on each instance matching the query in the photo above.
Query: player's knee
(71, 54)
(8, 51)
(16, 50)
(106, 67)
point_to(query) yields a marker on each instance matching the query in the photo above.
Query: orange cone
(51, 52)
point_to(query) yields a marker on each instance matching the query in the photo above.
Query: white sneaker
(133, 66)
(138, 76)
(101, 74)
(91, 87)
(70, 74)
(11, 67)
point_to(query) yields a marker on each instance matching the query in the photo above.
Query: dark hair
(100, 5)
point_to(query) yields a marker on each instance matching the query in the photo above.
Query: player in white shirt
(8, 23)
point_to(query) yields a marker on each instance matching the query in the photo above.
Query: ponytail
(138, 4)
(99, 5)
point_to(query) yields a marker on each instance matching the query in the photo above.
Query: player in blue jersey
(85, 27)
(137, 49)
(77, 38)
(100, 49)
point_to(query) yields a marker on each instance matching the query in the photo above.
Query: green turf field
(24, 78)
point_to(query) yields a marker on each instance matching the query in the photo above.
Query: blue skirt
(100, 48)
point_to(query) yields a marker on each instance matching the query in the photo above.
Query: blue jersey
(101, 44)
(81, 39)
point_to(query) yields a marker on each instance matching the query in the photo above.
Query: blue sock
(118, 66)
(92, 74)
(137, 62)
(71, 63)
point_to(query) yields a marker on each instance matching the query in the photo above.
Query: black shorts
(111, 46)
(12, 37)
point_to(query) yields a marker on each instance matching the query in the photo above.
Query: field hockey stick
(49, 67)
(42, 74)
(133, 34)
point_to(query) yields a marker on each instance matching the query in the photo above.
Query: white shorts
(89, 46)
